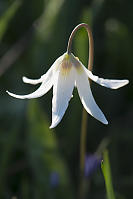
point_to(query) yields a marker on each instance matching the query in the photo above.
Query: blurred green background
(36, 162)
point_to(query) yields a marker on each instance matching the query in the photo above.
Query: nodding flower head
(65, 73)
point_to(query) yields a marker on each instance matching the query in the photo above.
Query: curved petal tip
(105, 122)
(126, 81)
(15, 96)
(25, 79)
(8, 93)
(51, 126)
(118, 83)
(31, 81)
(55, 121)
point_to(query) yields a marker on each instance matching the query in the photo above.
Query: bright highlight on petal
(43, 89)
(87, 99)
(109, 83)
(31, 81)
(47, 83)
(62, 93)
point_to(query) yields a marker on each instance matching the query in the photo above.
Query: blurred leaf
(44, 157)
(25, 188)
(5, 158)
(7, 16)
(47, 20)
(107, 175)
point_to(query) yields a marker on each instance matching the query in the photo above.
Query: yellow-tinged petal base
(68, 62)
(66, 65)
(76, 63)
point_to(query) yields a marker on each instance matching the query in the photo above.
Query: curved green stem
(91, 44)
(83, 140)
(84, 113)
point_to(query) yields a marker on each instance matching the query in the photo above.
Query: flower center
(68, 62)
(76, 63)
(66, 65)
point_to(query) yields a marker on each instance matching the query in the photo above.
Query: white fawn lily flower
(65, 73)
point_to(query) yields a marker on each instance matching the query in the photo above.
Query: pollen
(66, 56)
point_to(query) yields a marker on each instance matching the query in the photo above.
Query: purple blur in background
(92, 163)
(54, 179)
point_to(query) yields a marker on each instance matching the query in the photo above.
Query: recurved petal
(43, 89)
(87, 99)
(31, 81)
(109, 83)
(62, 92)
(44, 77)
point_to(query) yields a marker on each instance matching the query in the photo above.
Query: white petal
(44, 77)
(47, 82)
(43, 89)
(31, 81)
(109, 83)
(62, 92)
(87, 99)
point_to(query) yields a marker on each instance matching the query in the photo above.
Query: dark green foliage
(36, 162)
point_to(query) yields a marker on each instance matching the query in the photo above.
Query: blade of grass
(107, 175)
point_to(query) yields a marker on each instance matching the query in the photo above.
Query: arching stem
(91, 45)
(84, 113)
